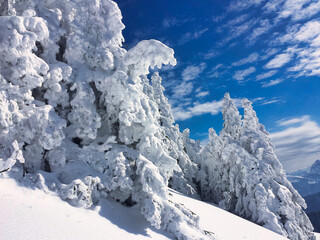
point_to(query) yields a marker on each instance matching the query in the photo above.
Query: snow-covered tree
(277, 205)
(74, 108)
(240, 171)
(79, 115)
(209, 177)
(183, 179)
(232, 119)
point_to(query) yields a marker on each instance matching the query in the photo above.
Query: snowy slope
(225, 225)
(27, 213)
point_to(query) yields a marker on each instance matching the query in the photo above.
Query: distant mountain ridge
(307, 182)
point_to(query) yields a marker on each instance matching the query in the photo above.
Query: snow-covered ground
(31, 214)
(27, 213)
(225, 225)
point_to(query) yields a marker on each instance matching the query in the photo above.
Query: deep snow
(31, 214)
(28, 213)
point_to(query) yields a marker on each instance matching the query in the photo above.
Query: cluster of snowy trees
(240, 171)
(81, 116)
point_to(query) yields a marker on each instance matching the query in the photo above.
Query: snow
(81, 119)
(30, 213)
(225, 225)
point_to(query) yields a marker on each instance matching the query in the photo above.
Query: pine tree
(183, 179)
(75, 99)
(232, 119)
(277, 206)
(240, 171)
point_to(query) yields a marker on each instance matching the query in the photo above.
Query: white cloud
(309, 11)
(192, 72)
(169, 22)
(202, 94)
(182, 90)
(308, 31)
(316, 42)
(290, 7)
(297, 146)
(237, 31)
(189, 36)
(279, 60)
(186, 87)
(237, 20)
(308, 64)
(272, 6)
(241, 74)
(210, 54)
(266, 75)
(216, 67)
(292, 121)
(240, 5)
(251, 58)
(268, 53)
(261, 101)
(265, 26)
(272, 83)
(197, 109)
(186, 111)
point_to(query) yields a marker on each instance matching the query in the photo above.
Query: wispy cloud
(189, 36)
(266, 75)
(181, 90)
(308, 31)
(272, 83)
(264, 27)
(272, 6)
(233, 22)
(250, 59)
(183, 112)
(169, 22)
(200, 93)
(279, 60)
(261, 101)
(290, 23)
(268, 53)
(235, 31)
(240, 5)
(292, 121)
(292, 8)
(297, 146)
(186, 86)
(241, 74)
(307, 12)
(197, 109)
(192, 72)
(210, 54)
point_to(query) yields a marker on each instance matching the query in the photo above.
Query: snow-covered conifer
(183, 178)
(75, 106)
(209, 176)
(277, 205)
(240, 171)
(231, 117)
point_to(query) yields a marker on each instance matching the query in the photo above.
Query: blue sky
(266, 51)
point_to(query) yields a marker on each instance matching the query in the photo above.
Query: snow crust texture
(81, 116)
